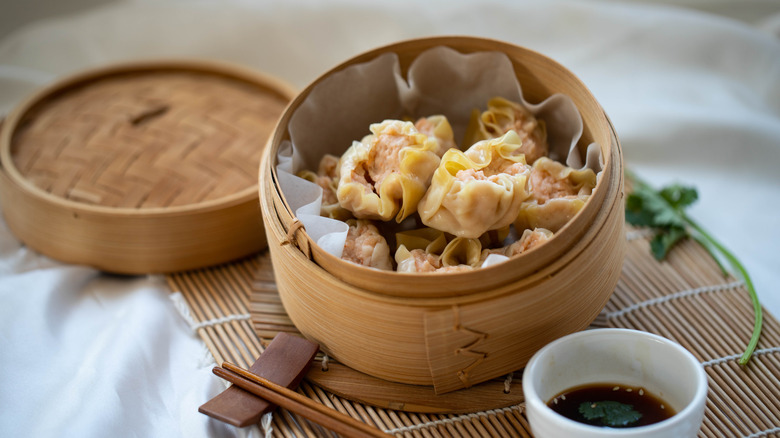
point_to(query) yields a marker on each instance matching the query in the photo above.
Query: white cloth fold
(695, 98)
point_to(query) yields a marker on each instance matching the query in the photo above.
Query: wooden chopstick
(295, 402)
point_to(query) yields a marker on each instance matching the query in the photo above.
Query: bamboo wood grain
(120, 167)
(410, 328)
(765, 366)
(297, 403)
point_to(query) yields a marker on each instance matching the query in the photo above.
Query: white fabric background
(694, 96)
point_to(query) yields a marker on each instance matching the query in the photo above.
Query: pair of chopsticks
(295, 402)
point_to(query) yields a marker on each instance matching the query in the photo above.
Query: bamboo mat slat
(236, 310)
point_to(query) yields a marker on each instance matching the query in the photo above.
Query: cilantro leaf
(679, 196)
(648, 208)
(636, 214)
(664, 241)
(609, 413)
(664, 212)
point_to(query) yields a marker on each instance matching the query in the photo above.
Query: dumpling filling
(550, 179)
(558, 193)
(417, 260)
(529, 240)
(366, 246)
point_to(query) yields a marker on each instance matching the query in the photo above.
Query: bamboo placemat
(236, 310)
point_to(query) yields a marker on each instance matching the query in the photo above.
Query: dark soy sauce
(642, 407)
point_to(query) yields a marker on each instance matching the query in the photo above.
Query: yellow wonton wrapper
(558, 193)
(502, 116)
(457, 255)
(462, 251)
(438, 127)
(477, 190)
(428, 239)
(385, 174)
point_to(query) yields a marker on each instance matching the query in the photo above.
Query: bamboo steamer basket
(141, 167)
(454, 330)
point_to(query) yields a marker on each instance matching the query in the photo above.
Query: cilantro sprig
(609, 413)
(664, 211)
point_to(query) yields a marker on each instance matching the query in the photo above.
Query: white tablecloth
(694, 96)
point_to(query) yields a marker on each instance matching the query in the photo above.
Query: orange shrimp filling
(533, 136)
(491, 172)
(360, 243)
(532, 240)
(545, 186)
(384, 158)
(425, 262)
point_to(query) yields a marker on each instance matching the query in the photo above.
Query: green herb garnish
(664, 211)
(609, 413)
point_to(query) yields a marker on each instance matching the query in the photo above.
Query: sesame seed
(641, 392)
(629, 389)
(616, 388)
(662, 407)
(563, 397)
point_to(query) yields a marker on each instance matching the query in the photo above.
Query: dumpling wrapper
(438, 128)
(503, 115)
(478, 190)
(558, 193)
(528, 241)
(462, 251)
(386, 173)
(327, 177)
(460, 254)
(428, 239)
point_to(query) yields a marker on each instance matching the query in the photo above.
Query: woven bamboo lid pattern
(146, 140)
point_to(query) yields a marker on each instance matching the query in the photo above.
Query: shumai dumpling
(558, 192)
(528, 241)
(462, 251)
(478, 190)
(502, 116)
(366, 246)
(327, 177)
(386, 173)
(460, 254)
(438, 128)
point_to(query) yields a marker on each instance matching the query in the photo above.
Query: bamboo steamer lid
(141, 167)
(454, 330)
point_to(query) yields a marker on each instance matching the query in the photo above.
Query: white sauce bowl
(616, 356)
